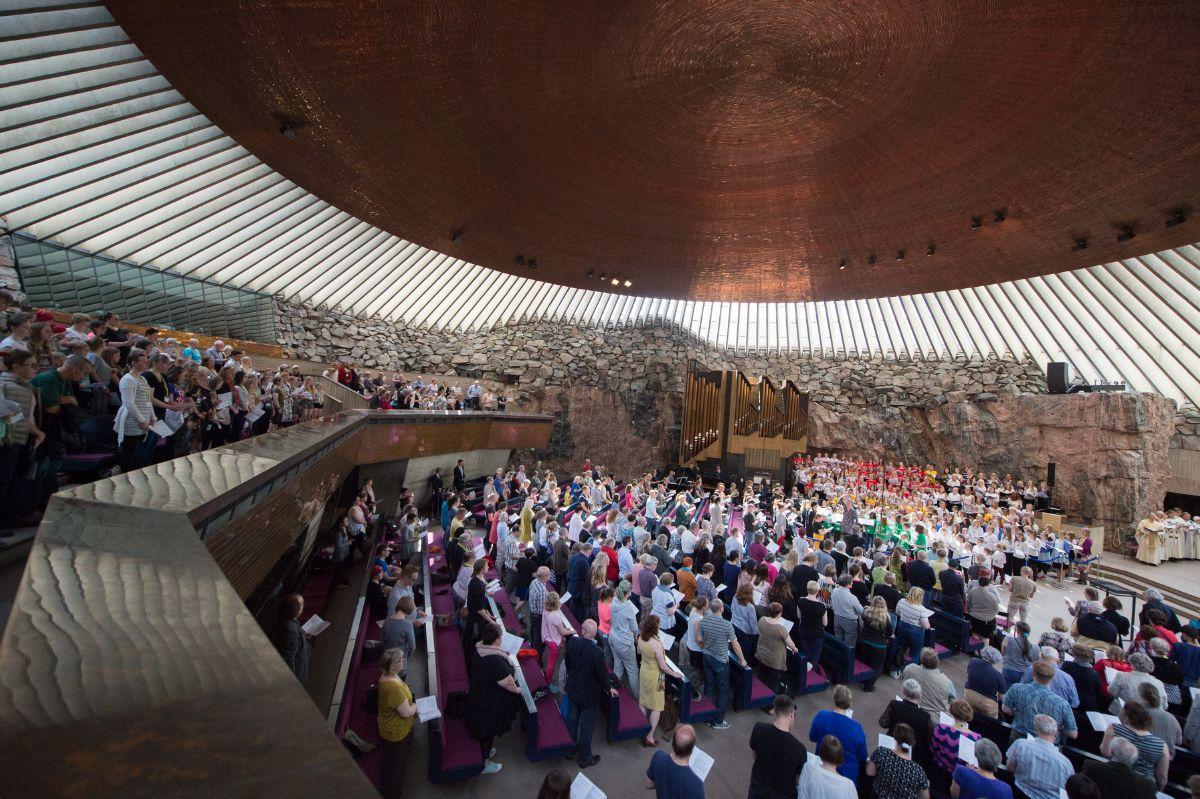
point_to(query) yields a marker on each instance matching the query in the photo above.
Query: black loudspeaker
(1058, 376)
(1050, 474)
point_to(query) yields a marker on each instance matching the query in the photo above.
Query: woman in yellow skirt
(651, 678)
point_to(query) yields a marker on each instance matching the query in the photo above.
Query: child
(998, 562)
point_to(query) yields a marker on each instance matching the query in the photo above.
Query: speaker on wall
(1058, 376)
(1050, 474)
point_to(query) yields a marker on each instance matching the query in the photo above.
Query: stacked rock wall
(617, 395)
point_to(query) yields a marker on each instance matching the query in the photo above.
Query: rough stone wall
(10, 281)
(617, 397)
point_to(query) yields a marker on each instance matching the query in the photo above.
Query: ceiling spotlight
(615, 281)
(1125, 232)
(899, 255)
(603, 275)
(976, 222)
(533, 263)
(628, 283)
(842, 264)
(1177, 217)
(870, 259)
(287, 131)
(456, 236)
(591, 273)
(999, 215)
(1079, 244)
(521, 260)
(931, 249)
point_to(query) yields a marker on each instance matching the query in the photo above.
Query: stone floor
(621, 771)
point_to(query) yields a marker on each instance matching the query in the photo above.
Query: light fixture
(287, 131)
(899, 255)
(521, 260)
(591, 273)
(1177, 217)
(615, 281)
(976, 222)
(999, 215)
(456, 236)
(931, 249)
(1079, 244)
(842, 264)
(533, 263)
(1125, 232)
(628, 284)
(603, 275)
(870, 259)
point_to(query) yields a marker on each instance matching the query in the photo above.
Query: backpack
(371, 700)
(456, 704)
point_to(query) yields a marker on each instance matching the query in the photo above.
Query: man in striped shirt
(1038, 768)
(715, 635)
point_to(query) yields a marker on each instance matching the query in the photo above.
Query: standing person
(116, 337)
(18, 454)
(1153, 754)
(291, 640)
(492, 696)
(912, 620)
(715, 635)
(395, 721)
(896, 775)
(652, 682)
(587, 683)
(774, 644)
(876, 634)
(554, 630)
(840, 724)
(671, 776)
(822, 780)
(136, 413)
(1021, 591)
(623, 633)
(778, 756)
(813, 614)
(436, 484)
(846, 612)
(460, 476)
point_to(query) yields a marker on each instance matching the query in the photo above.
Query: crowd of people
(66, 390)
(671, 582)
(1167, 536)
(401, 393)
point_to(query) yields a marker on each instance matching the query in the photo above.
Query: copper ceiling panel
(717, 149)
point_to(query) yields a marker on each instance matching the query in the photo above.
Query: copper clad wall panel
(716, 149)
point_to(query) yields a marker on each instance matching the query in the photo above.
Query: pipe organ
(740, 424)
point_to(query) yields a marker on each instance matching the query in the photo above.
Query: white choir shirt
(575, 526)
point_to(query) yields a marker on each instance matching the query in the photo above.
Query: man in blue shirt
(1061, 683)
(671, 776)
(1024, 701)
(840, 725)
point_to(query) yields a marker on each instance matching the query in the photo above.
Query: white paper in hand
(667, 639)
(427, 708)
(565, 598)
(224, 401)
(786, 625)
(678, 596)
(1110, 674)
(772, 548)
(583, 788)
(886, 741)
(480, 552)
(720, 588)
(162, 428)
(946, 718)
(315, 625)
(1101, 721)
(966, 751)
(254, 416)
(701, 763)
(511, 643)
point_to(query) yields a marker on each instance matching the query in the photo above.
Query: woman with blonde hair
(554, 631)
(912, 620)
(875, 635)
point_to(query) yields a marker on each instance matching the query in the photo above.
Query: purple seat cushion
(451, 669)
(631, 713)
(1003, 623)
(942, 650)
(703, 704)
(459, 749)
(552, 730)
(814, 679)
(861, 668)
(975, 640)
(759, 690)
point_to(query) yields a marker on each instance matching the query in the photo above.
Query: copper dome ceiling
(717, 149)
